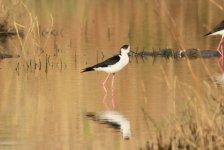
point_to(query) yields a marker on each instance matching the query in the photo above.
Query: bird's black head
(125, 49)
(124, 46)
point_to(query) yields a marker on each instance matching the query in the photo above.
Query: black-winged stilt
(111, 66)
(218, 30)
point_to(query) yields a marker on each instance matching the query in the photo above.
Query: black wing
(108, 62)
(217, 28)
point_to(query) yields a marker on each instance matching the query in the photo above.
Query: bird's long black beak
(132, 52)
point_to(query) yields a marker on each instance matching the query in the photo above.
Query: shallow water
(46, 108)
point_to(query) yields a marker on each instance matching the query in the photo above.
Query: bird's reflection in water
(115, 120)
(218, 79)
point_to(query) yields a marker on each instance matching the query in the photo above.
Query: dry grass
(217, 4)
(32, 43)
(196, 123)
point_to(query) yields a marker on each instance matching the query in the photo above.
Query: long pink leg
(218, 48)
(220, 63)
(222, 53)
(222, 47)
(112, 91)
(221, 50)
(105, 90)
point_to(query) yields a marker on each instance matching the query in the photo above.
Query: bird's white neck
(124, 53)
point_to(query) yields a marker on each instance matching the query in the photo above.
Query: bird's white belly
(219, 33)
(116, 67)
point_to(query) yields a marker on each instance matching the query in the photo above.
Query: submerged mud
(172, 53)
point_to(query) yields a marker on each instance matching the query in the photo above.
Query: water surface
(45, 109)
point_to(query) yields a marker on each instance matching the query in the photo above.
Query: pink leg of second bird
(221, 61)
(220, 47)
(221, 64)
(105, 90)
(112, 91)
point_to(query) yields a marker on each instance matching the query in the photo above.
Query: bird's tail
(207, 34)
(87, 69)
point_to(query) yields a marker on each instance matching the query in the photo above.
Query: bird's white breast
(221, 32)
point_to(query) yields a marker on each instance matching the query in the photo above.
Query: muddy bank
(6, 31)
(171, 53)
(3, 56)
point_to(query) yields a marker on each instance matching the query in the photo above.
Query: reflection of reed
(39, 65)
